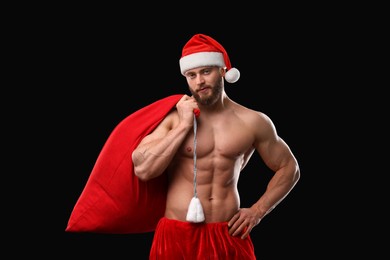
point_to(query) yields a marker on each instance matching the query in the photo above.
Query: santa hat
(202, 50)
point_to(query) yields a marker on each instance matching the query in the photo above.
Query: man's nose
(199, 79)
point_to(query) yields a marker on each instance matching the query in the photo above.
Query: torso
(224, 144)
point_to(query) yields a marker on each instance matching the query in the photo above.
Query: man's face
(205, 84)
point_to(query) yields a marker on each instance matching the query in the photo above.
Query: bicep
(276, 154)
(273, 150)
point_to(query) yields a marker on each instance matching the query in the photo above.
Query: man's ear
(222, 71)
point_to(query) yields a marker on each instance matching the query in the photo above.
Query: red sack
(114, 200)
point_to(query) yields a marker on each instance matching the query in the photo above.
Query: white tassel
(195, 211)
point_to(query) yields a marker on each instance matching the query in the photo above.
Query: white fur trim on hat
(201, 59)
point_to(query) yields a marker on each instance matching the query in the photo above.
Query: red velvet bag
(114, 200)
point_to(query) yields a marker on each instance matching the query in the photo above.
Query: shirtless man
(226, 134)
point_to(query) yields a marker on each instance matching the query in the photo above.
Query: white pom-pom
(232, 75)
(195, 211)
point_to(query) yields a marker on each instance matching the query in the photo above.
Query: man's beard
(216, 92)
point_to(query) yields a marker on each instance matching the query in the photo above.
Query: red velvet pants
(175, 240)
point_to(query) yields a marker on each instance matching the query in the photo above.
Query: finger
(185, 97)
(233, 219)
(237, 227)
(246, 233)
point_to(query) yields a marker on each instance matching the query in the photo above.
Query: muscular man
(214, 148)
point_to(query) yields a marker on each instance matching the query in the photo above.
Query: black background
(89, 71)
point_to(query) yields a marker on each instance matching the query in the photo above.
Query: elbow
(139, 170)
(140, 174)
(297, 174)
(146, 168)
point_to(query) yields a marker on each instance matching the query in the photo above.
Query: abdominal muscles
(216, 190)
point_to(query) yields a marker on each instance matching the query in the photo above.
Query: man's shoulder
(244, 111)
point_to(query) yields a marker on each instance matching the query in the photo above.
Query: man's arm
(156, 150)
(280, 159)
(277, 155)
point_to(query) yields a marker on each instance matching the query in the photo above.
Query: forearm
(278, 188)
(152, 158)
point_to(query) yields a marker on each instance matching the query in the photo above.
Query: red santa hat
(202, 50)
